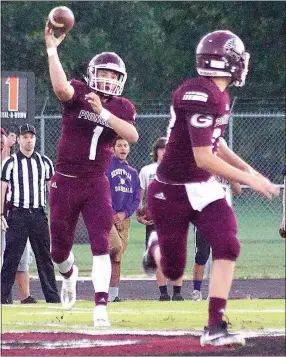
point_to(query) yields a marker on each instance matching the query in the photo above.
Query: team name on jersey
(120, 172)
(124, 189)
(222, 120)
(96, 118)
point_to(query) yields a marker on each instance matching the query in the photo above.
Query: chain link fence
(256, 133)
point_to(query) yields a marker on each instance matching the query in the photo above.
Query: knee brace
(228, 247)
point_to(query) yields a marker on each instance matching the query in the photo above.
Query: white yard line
(149, 312)
(88, 278)
(132, 311)
(89, 330)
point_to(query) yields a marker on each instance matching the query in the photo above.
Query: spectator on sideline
(146, 176)
(93, 115)
(22, 275)
(7, 143)
(125, 195)
(27, 173)
(282, 230)
(185, 188)
(202, 246)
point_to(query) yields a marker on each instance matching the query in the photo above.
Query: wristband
(105, 114)
(52, 51)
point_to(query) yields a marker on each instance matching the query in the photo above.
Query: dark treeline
(155, 39)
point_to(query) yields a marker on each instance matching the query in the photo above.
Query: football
(61, 19)
(144, 212)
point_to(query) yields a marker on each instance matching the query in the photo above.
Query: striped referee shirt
(27, 178)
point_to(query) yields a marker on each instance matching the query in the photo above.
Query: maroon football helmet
(106, 61)
(222, 54)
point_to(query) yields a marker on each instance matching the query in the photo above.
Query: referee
(26, 175)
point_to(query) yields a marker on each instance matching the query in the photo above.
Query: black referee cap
(27, 128)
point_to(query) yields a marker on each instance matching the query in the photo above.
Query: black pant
(32, 223)
(202, 248)
(149, 229)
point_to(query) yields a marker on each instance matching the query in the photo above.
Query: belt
(30, 210)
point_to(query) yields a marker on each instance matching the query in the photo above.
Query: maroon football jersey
(86, 140)
(199, 115)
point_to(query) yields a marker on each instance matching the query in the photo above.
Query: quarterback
(93, 115)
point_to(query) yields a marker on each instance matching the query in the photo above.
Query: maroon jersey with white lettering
(199, 115)
(86, 140)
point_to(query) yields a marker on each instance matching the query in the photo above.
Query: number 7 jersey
(199, 115)
(85, 144)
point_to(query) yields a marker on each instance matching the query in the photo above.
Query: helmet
(108, 61)
(222, 54)
(160, 143)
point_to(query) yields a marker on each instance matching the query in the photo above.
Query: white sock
(113, 292)
(100, 312)
(100, 308)
(66, 265)
(101, 273)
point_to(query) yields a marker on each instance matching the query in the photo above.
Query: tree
(157, 41)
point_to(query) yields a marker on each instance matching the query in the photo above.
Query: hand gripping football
(143, 213)
(61, 19)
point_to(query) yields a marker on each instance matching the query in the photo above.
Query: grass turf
(262, 250)
(142, 315)
(262, 254)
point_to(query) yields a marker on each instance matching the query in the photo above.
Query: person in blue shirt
(125, 194)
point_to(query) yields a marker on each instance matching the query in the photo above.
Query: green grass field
(143, 315)
(262, 249)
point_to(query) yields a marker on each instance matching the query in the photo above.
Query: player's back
(86, 139)
(199, 115)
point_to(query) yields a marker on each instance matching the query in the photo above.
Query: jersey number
(94, 141)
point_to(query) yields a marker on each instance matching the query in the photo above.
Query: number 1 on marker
(13, 100)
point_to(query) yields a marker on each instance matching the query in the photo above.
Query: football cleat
(177, 297)
(29, 300)
(100, 317)
(68, 292)
(117, 299)
(196, 295)
(219, 336)
(148, 261)
(164, 297)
